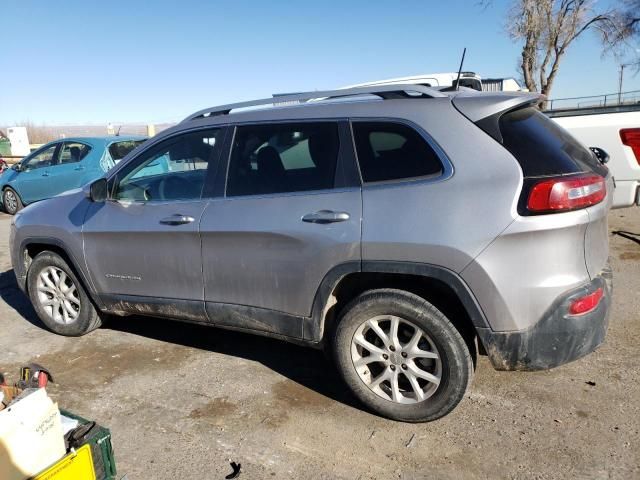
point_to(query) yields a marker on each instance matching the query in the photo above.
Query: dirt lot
(182, 400)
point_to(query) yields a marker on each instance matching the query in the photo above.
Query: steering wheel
(174, 187)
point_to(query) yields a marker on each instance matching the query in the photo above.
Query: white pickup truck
(616, 130)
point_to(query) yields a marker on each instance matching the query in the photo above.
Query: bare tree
(630, 25)
(547, 29)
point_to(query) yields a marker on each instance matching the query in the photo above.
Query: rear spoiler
(485, 110)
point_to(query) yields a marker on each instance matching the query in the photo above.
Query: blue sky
(79, 61)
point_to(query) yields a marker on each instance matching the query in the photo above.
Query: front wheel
(401, 356)
(59, 298)
(11, 201)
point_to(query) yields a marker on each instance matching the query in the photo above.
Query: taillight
(562, 194)
(631, 138)
(586, 304)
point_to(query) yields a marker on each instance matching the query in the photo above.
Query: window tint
(282, 158)
(73, 152)
(173, 170)
(392, 151)
(45, 158)
(541, 146)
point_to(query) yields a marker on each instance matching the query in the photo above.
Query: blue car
(60, 166)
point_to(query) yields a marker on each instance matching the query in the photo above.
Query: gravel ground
(182, 400)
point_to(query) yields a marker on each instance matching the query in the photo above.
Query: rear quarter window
(542, 147)
(393, 151)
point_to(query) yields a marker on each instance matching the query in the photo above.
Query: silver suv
(405, 229)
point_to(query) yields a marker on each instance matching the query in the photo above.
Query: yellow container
(74, 466)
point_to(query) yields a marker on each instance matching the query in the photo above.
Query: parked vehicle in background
(508, 84)
(60, 166)
(615, 129)
(467, 79)
(364, 227)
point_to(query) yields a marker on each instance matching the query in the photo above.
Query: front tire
(401, 357)
(11, 201)
(59, 298)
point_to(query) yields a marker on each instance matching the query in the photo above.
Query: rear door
(289, 215)
(70, 168)
(142, 246)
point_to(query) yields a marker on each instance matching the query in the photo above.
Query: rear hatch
(559, 173)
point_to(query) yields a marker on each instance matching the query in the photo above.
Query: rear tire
(11, 201)
(401, 357)
(59, 298)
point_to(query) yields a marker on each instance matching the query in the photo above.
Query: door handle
(80, 167)
(177, 219)
(45, 174)
(325, 216)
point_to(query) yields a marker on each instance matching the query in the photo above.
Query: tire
(11, 201)
(59, 298)
(439, 361)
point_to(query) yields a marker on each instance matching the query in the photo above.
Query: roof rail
(382, 91)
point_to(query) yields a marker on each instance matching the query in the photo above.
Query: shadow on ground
(306, 366)
(12, 296)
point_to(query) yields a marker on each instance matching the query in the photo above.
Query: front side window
(172, 170)
(393, 151)
(280, 158)
(73, 152)
(43, 159)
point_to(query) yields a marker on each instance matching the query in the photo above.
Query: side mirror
(17, 167)
(601, 155)
(98, 191)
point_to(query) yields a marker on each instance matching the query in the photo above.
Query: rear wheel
(11, 201)
(59, 298)
(401, 356)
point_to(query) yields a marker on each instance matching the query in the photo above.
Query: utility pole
(620, 81)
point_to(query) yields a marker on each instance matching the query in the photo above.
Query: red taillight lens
(586, 304)
(631, 138)
(563, 194)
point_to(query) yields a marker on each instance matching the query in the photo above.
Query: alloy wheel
(58, 295)
(396, 359)
(10, 200)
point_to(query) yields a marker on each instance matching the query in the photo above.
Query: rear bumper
(626, 193)
(558, 338)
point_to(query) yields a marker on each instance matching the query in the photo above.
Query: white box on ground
(19, 141)
(31, 436)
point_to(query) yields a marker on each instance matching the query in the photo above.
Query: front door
(33, 181)
(142, 246)
(282, 226)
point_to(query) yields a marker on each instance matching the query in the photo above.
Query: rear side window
(542, 147)
(281, 158)
(119, 150)
(73, 152)
(393, 151)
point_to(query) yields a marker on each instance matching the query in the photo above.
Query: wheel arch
(31, 247)
(12, 186)
(440, 286)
